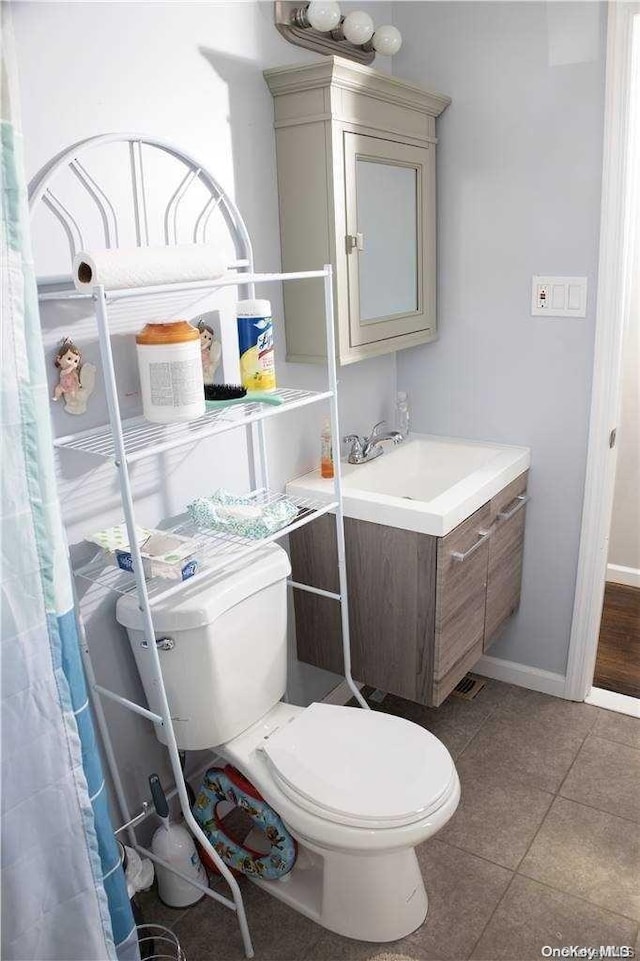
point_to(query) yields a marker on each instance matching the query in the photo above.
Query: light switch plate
(558, 296)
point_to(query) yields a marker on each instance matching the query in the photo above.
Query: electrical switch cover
(559, 296)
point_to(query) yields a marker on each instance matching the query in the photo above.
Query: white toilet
(357, 789)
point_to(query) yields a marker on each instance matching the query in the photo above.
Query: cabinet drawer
(508, 510)
(461, 591)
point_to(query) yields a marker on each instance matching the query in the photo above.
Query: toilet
(357, 789)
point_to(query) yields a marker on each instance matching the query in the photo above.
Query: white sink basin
(427, 484)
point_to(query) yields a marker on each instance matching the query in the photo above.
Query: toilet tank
(228, 663)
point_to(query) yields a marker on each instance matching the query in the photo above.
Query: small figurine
(210, 352)
(77, 380)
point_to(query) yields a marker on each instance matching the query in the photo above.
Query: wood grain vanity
(422, 609)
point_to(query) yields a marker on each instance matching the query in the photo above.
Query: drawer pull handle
(459, 556)
(520, 501)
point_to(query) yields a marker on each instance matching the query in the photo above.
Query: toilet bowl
(357, 789)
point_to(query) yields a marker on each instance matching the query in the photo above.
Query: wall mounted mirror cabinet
(356, 186)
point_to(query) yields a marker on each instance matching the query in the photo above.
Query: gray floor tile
(548, 709)
(456, 721)
(497, 817)
(606, 775)
(155, 912)
(535, 747)
(588, 853)
(278, 932)
(331, 947)
(618, 727)
(532, 915)
(463, 892)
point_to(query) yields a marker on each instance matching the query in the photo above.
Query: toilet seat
(360, 768)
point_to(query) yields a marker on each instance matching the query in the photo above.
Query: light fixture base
(288, 25)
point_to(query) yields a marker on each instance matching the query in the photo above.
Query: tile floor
(543, 850)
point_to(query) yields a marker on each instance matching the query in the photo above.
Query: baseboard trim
(341, 694)
(521, 674)
(612, 701)
(617, 574)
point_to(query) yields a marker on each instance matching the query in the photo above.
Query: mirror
(387, 204)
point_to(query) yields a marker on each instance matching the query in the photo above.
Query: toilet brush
(174, 844)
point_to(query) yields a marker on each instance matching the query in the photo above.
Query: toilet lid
(358, 767)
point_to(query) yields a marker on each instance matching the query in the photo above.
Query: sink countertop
(428, 484)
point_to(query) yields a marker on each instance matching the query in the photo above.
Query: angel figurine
(210, 352)
(77, 381)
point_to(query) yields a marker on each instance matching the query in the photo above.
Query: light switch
(575, 297)
(559, 296)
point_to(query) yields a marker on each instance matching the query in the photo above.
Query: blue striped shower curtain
(62, 888)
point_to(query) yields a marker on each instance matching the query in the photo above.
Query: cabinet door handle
(459, 556)
(519, 503)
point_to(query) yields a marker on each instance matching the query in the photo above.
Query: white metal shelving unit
(124, 442)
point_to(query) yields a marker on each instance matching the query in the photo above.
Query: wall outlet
(558, 296)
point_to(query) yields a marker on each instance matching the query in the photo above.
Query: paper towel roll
(146, 266)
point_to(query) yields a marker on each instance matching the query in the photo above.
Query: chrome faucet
(364, 449)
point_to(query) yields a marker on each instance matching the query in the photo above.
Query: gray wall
(518, 193)
(191, 74)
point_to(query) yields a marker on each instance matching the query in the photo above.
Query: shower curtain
(62, 888)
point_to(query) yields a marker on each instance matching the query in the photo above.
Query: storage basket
(158, 943)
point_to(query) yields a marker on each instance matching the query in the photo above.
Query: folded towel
(233, 514)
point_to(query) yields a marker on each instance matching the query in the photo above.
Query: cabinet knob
(354, 242)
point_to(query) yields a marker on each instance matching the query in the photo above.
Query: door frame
(620, 196)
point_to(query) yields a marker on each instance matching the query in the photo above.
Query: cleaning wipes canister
(170, 367)
(255, 342)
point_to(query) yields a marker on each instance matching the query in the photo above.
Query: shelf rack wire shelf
(125, 442)
(143, 439)
(214, 550)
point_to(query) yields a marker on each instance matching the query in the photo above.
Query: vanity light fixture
(322, 15)
(357, 27)
(386, 40)
(319, 26)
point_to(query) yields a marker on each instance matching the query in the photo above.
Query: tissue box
(163, 554)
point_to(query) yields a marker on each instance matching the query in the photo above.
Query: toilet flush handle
(163, 644)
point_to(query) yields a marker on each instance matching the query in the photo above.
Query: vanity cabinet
(422, 609)
(355, 155)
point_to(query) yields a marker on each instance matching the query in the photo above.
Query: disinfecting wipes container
(255, 341)
(170, 366)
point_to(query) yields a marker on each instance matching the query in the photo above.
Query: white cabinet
(356, 185)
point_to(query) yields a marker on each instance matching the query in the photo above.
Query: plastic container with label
(255, 341)
(326, 452)
(170, 366)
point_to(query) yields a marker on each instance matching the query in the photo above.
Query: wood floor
(618, 660)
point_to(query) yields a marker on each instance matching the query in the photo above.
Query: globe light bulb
(323, 15)
(387, 40)
(357, 27)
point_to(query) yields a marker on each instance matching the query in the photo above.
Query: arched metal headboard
(41, 190)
